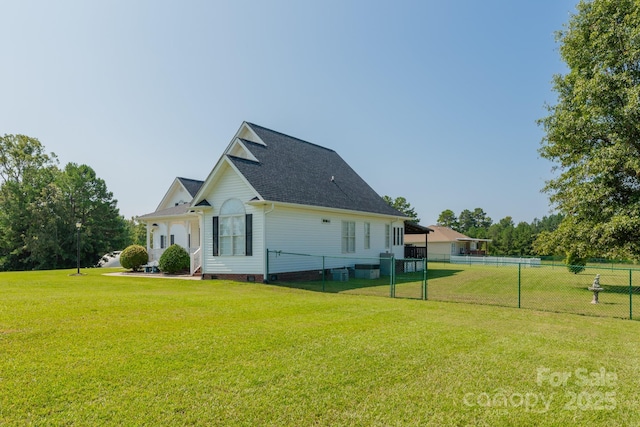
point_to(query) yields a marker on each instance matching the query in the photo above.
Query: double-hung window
(367, 235)
(348, 237)
(387, 236)
(232, 216)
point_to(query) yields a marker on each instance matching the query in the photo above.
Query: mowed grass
(547, 288)
(101, 350)
(550, 288)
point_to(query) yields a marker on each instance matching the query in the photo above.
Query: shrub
(133, 257)
(174, 260)
(574, 263)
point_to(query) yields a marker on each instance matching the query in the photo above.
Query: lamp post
(78, 225)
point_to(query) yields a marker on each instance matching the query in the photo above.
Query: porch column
(148, 238)
(201, 239)
(187, 227)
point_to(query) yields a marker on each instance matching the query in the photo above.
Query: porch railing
(195, 261)
(194, 254)
(155, 254)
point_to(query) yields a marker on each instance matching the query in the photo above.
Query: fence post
(266, 279)
(519, 283)
(392, 269)
(323, 273)
(424, 279)
(630, 295)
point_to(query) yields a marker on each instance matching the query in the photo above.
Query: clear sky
(432, 100)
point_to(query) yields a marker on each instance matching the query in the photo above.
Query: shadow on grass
(381, 286)
(440, 273)
(336, 286)
(620, 289)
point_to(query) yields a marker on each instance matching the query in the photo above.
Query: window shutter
(216, 232)
(249, 234)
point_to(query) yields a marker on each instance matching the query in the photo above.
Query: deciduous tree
(592, 133)
(26, 171)
(41, 204)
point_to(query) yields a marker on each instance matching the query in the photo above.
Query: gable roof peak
(245, 132)
(291, 170)
(191, 185)
(275, 132)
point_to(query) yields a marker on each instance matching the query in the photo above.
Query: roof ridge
(190, 179)
(289, 136)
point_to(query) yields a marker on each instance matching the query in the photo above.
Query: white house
(443, 242)
(173, 220)
(271, 191)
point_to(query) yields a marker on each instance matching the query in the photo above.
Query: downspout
(265, 260)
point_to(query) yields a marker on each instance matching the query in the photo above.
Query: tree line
(45, 210)
(507, 238)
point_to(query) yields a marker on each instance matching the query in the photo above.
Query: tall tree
(448, 219)
(88, 202)
(502, 236)
(481, 219)
(401, 204)
(523, 236)
(593, 133)
(41, 204)
(466, 221)
(474, 223)
(137, 232)
(25, 173)
(547, 223)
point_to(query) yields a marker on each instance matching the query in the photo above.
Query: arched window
(232, 228)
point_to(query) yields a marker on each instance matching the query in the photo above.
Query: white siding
(179, 228)
(439, 250)
(230, 185)
(176, 195)
(303, 231)
(289, 229)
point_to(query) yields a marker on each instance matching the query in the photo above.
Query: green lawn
(546, 288)
(94, 350)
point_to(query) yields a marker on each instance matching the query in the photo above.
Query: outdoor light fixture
(78, 225)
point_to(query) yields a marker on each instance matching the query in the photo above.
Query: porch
(194, 256)
(164, 231)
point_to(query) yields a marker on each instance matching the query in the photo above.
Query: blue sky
(432, 100)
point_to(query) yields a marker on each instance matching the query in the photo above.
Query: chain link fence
(380, 276)
(544, 287)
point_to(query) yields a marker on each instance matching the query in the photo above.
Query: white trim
(246, 154)
(211, 179)
(171, 187)
(255, 138)
(261, 201)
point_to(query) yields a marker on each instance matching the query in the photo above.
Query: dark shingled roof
(192, 185)
(291, 170)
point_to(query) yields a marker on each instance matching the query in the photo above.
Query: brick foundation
(292, 276)
(236, 277)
